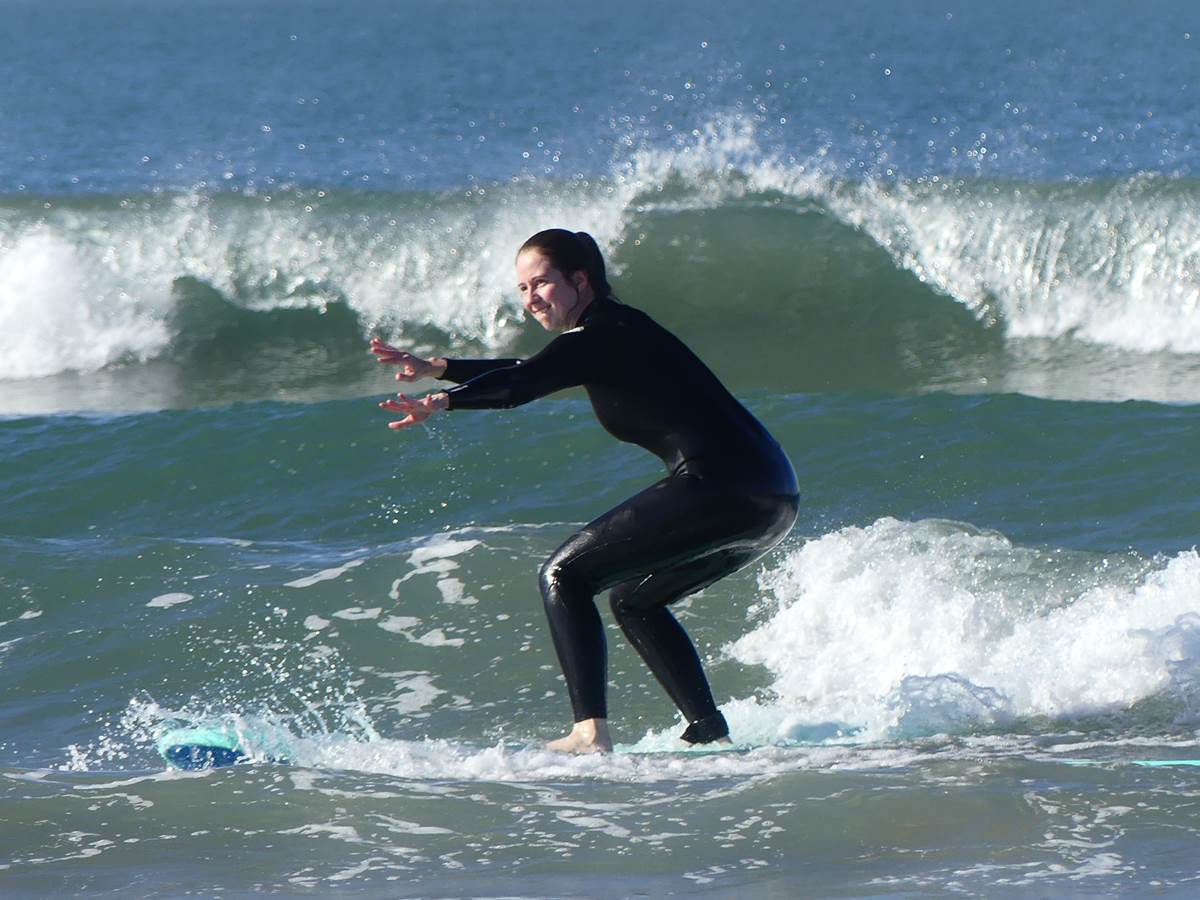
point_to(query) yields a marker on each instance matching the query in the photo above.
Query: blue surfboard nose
(200, 756)
(219, 744)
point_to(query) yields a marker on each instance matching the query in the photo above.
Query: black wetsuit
(729, 497)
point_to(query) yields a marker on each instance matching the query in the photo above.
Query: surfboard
(211, 747)
(685, 750)
(228, 740)
(1145, 763)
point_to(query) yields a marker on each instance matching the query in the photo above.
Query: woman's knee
(561, 581)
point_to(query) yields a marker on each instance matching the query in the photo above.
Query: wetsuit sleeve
(567, 361)
(460, 370)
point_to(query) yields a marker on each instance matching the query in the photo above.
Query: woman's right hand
(415, 411)
(411, 368)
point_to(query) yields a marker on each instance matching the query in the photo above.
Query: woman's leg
(577, 632)
(671, 539)
(640, 608)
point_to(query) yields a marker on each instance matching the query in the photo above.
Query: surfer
(730, 494)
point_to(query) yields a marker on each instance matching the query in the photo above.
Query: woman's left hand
(415, 410)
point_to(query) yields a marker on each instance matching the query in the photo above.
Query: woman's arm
(460, 370)
(413, 368)
(567, 361)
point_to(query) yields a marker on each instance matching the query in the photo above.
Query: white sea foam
(454, 591)
(906, 628)
(167, 600)
(435, 557)
(439, 548)
(325, 575)
(357, 613)
(66, 303)
(315, 623)
(406, 627)
(441, 761)
(435, 637)
(399, 624)
(410, 692)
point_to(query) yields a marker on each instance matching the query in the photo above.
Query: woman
(729, 497)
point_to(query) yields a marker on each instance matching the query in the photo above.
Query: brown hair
(571, 252)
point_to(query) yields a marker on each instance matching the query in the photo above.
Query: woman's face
(551, 297)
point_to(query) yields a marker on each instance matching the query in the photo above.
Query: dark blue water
(138, 96)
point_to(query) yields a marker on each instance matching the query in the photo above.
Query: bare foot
(588, 736)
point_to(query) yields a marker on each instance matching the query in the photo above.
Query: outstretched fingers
(385, 351)
(394, 356)
(378, 345)
(414, 411)
(401, 403)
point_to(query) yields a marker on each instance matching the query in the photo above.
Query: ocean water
(949, 253)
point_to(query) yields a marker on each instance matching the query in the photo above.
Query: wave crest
(1104, 264)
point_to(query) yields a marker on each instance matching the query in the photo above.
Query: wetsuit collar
(588, 310)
